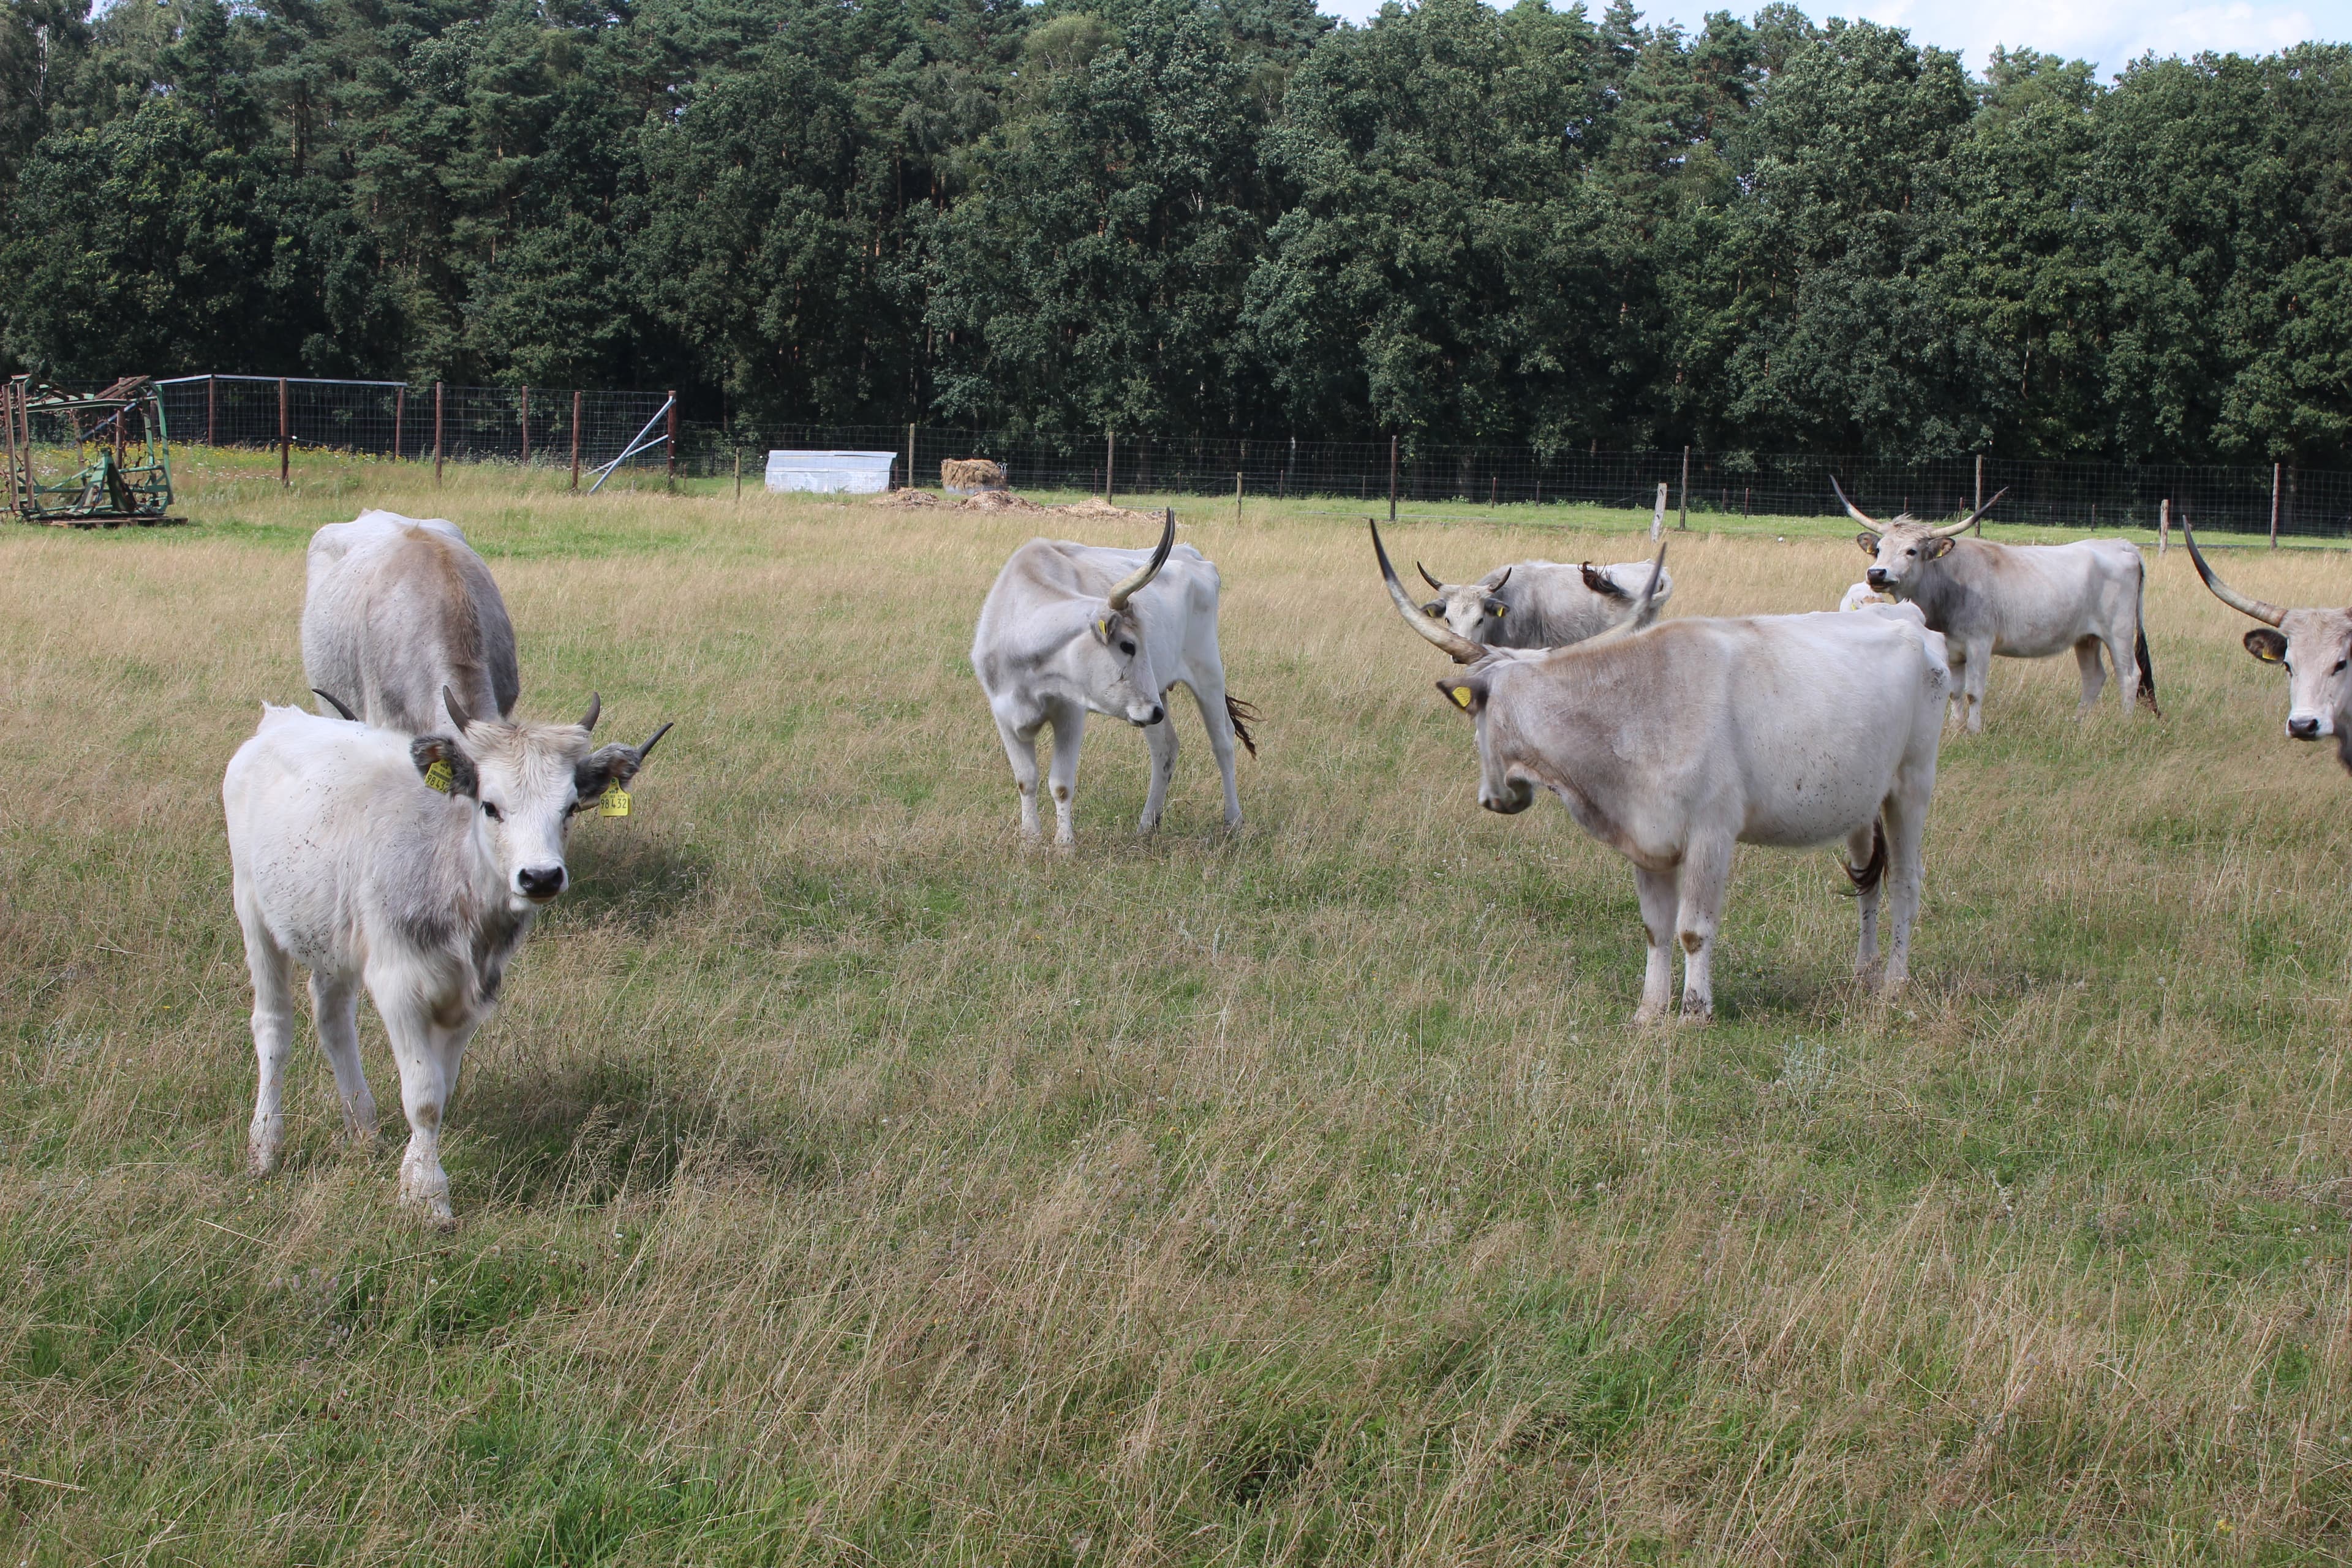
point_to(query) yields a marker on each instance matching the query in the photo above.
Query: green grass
(841, 1184)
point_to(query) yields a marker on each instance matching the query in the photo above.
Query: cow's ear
(1467, 692)
(1106, 628)
(1434, 609)
(1938, 548)
(1869, 543)
(2266, 645)
(1496, 608)
(607, 768)
(444, 765)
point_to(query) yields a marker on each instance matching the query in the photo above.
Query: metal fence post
(284, 477)
(437, 434)
(575, 440)
(1681, 507)
(1392, 440)
(399, 417)
(212, 385)
(526, 427)
(673, 438)
(2274, 495)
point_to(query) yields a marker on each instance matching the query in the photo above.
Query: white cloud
(2109, 32)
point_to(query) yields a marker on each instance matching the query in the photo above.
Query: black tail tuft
(1867, 877)
(1242, 716)
(2146, 674)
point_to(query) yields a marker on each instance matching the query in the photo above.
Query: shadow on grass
(638, 882)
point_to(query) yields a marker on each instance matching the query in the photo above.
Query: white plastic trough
(831, 473)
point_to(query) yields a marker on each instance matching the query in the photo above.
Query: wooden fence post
(1392, 455)
(910, 455)
(1980, 504)
(1110, 453)
(1682, 509)
(1658, 512)
(284, 477)
(575, 439)
(212, 385)
(1237, 495)
(739, 477)
(2163, 527)
(2274, 497)
(526, 427)
(437, 434)
(399, 417)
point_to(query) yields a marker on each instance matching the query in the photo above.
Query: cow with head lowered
(1072, 629)
(1673, 742)
(1541, 604)
(397, 609)
(413, 866)
(2314, 648)
(2015, 601)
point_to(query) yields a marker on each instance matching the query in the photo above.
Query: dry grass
(843, 1184)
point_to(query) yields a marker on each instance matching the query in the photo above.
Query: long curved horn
(336, 703)
(596, 711)
(1647, 610)
(1462, 648)
(457, 713)
(1854, 511)
(1132, 583)
(1427, 578)
(2261, 610)
(1955, 529)
(647, 749)
(1497, 585)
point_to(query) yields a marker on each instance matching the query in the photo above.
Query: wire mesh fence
(2060, 492)
(417, 421)
(544, 427)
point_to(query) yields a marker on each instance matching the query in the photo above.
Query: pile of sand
(1094, 506)
(907, 499)
(1000, 501)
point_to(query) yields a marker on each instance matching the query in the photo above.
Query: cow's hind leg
(2127, 673)
(1659, 893)
(1020, 750)
(2094, 676)
(1163, 739)
(1864, 846)
(273, 1032)
(1707, 871)
(1069, 731)
(1906, 822)
(1217, 719)
(335, 1008)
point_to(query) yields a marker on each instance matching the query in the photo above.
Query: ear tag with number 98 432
(616, 802)
(438, 776)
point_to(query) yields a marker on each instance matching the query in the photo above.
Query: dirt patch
(1000, 501)
(1095, 506)
(907, 499)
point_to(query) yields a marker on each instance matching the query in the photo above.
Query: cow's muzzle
(541, 884)
(2305, 727)
(1510, 800)
(1877, 578)
(1144, 717)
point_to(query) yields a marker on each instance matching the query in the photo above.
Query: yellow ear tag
(1102, 629)
(1461, 695)
(616, 802)
(438, 776)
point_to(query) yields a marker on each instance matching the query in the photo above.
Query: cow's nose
(1875, 577)
(1153, 717)
(2303, 728)
(542, 883)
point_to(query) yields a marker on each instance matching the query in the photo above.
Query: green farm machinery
(83, 459)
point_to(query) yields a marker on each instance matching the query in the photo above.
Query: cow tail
(1241, 715)
(1866, 877)
(2139, 647)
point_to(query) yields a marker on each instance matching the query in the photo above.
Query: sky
(2110, 34)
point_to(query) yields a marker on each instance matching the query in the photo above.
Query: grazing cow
(2315, 647)
(1541, 604)
(1072, 629)
(1672, 742)
(413, 867)
(397, 608)
(2016, 600)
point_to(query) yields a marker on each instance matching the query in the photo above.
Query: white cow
(2315, 646)
(1672, 742)
(2016, 600)
(1541, 604)
(1072, 629)
(397, 608)
(413, 867)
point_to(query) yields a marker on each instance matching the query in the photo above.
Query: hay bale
(965, 476)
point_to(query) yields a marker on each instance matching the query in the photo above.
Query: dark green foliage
(1458, 223)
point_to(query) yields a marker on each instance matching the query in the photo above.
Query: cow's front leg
(273, 1035)
(1162, 737)
(1069, 730)
(1860, 844)
(425, 1085)
(1659, 896)
(1020, 750)
(335, 1008)
(1706, 870)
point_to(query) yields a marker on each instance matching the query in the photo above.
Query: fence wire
(382, 418)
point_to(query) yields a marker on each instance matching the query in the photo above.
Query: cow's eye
(1911, 552)
(1126, 647)
(492, 812)
(2339, 665)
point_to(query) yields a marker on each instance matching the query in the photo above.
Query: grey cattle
(2016, 600)
(413, 866)
(397, 608)
(1541, 604)
(1072, 629)
(2315, 646)
(1671, 743)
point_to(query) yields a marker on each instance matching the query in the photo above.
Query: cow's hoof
(262, 1143)
(1698, 1015)
(1649, 1013)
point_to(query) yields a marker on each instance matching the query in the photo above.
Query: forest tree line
(1211, 217)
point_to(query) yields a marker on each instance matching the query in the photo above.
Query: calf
(414, 867)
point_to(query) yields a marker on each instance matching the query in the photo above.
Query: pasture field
(842, 1184)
